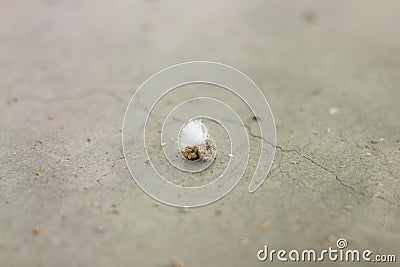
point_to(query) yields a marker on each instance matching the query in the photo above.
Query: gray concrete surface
(69, 68)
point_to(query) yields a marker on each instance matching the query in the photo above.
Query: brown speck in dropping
(191, 153)
(113, 206)
(244, 241)
(373, 141)
(348, 207)
(256, 117)
(294, 162)
(37, 230)
(218, 212)
(99, 229)
(38, 173)
(156, 205)
(332, 239)
(89, 139)
(141, 246)
(265, 225)
(50, 118)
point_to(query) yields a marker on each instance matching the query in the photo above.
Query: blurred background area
(329, 70)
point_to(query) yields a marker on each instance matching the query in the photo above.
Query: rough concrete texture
(69, 68)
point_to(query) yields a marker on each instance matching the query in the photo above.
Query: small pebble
(38, 173)
(294, 162)
(218, 212)
(309, 16)
(265, 225)
(37, 230)
(348, 207)
(256, 117)
(244, 241)
(315, 92)
(333, 111)
(99, 229)
(176, 263)
(115, 211)
(184, 210)
(332, 239)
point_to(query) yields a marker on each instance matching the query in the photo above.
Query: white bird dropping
(195, 142)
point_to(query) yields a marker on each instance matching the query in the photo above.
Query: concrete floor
(69, 68)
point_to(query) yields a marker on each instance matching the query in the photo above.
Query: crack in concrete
(305, 157)
(340, 181)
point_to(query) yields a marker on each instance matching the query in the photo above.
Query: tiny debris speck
(348, 207)
(99, 229)
(37, 230)
(218, 212)
(265, 225)
(332, 239)
(115, 211)
(244, 241)
(256, 117)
